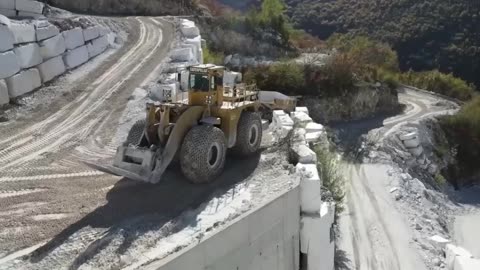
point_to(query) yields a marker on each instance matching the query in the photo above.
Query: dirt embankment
(131, 7)
(368, 101)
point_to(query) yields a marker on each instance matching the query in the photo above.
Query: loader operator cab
(205, 84)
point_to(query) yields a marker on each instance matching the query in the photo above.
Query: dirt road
(373, 232)
(43, 185)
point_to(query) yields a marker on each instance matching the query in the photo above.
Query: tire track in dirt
(40, 162)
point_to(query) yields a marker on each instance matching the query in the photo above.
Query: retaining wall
(35, 52)
(265, 238)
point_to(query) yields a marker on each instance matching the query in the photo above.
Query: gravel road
(374, 234)
(43, 186)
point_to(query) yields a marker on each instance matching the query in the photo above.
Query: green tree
(272, 10)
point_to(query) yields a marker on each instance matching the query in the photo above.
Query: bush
(285, 77)
(331, 176)
(463, 131)
(212, 57)
(438, 82)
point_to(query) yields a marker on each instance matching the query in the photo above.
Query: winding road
(44, 186)
(373, 232)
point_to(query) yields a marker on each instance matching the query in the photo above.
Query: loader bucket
(130, 162)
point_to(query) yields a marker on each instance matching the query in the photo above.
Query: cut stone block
(302, 109)
(413, 143)
(29, 6)
(51, 69)
(24, 14)
(313, 137)
(4, 99)
(45, 32)
(408, 136)
(97, 46)
(28, 55)
(285, 120)
(8, 12)
(102, 31)
(301, 118)
(23, 82)
(439, 241)
(452, 252)
(76, 57)
(303, 154)
(8, 64)
(22, 32)
(73, 38)
(189, 29)
(310, 188)
(91, 33)
(462, 263)
(316, 239)
(183, 54)
(7, 4)
(6, 38)
(314, 127)
(52, 47)
(417, 151)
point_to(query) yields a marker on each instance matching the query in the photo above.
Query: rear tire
(249, 134)
(202, 156)
(136, 133)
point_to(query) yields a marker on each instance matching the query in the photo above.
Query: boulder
(8, 12)
(408, 136)
(29, 6)
(4, 99)
(23, 82)
(97, 46)
(52, 47)
(45, 32)
(76, 57)
(73, 38)
(91, 33)
(412, 143)
(6, 38)
(8, 64)
(7, 4)
(417, 151)
(51, 69)
(28, 55)
(23, 32)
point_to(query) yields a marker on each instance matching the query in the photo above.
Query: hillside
(433, 34)
(126, 7)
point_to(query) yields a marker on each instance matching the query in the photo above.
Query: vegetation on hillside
(463, 132)
(433, 34)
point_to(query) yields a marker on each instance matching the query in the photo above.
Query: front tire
(135, 134)
(203, 152)
(249, 134)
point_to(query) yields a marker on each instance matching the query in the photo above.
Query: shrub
(331, 176)
(435, 81)
(285, 77)
(463, 131)
(212, 57)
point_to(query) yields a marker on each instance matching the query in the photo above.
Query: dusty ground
(56, 213)
(43, 186)
(376, 231)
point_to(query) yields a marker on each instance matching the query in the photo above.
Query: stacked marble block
(22, 8)
(35, 52)
(317, 217)
(190, 49)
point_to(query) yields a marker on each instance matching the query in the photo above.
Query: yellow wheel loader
(197, 127)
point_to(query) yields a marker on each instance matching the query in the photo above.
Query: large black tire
(249, 134)
(202, 156)
(136, 133)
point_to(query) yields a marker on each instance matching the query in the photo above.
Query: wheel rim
(253, 135)
(214, 155)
